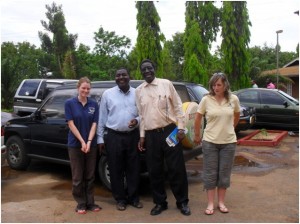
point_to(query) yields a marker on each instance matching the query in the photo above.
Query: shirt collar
(154, 82)
(123, 92)
(77, 100)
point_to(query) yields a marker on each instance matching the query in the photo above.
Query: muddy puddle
(241, 164)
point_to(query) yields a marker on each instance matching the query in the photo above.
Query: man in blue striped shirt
(118, 115)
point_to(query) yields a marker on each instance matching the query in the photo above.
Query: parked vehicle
(31, 93)
(247, 114)
(274, 108)
(43, 134)
(4, 118)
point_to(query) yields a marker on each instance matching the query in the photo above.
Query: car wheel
(17, 157)
(104, 175)
(104, 172)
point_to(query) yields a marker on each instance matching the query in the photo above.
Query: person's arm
(77, 134)
(236, 114)
(236, 119)
(142, 125)
(91, 136)
(197, 128)
(103, 116)
(103, 113)
(176, 102)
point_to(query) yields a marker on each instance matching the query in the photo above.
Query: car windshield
(289, 97)
(200, 91)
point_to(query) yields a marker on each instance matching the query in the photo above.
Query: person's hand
(180, 135)
(197, 139)
(88, 146)
(141, 144)
(132, 123)
(83, 147)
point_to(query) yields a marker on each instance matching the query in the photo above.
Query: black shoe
(184, 208)
(136, 204)
(158, 209)
(121, 206)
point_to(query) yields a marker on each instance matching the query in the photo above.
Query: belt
(121, 132)
(163, 129)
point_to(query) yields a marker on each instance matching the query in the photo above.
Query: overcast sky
(20, 20)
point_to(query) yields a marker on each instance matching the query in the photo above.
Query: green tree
(133, 64)
(18, 62)
(193, 69)
(236, 37)
(62, 42)
(168, 71)
(110, 53)
(263, 59)
(110, 44)
(176, 51)
(202, 25)
(69, 69)
(149, 37)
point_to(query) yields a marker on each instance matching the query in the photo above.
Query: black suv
(43, 134)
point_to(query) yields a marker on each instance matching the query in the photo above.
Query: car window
(200, 91)
(54, 107)
(249, 97)
(29, 88)
(269, 97)
(183, 93)
(289, 97)
(96, 94)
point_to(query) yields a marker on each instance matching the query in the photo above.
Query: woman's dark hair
(215, 77)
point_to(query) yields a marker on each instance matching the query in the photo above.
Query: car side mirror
(50, 113)
(37, 114)
(285, 104)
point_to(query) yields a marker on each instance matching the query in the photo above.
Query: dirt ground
(264, 188)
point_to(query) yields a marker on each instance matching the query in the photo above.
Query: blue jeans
(217, 164)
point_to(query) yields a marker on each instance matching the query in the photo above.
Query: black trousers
(158, 152)
(83, 175)
(123, 161)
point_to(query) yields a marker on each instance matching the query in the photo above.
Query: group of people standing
(130, 120)
(269, 84)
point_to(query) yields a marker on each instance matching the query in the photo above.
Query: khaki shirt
(220, 118)
(159, 105)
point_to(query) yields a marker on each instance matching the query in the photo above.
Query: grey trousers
(217, 164)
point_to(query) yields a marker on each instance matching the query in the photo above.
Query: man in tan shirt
(160, 108)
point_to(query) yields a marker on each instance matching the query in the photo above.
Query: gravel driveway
(265, 188)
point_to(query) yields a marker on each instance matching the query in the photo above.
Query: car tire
(17, 157)
(103, 172)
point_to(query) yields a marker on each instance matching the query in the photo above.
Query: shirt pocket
(163, 102)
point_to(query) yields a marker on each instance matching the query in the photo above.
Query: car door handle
(266, 107)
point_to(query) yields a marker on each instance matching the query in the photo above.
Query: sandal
(94, 208)
(80, 211)
(209, 211)
(223, 209)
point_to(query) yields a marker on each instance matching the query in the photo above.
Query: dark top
(83, 118)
